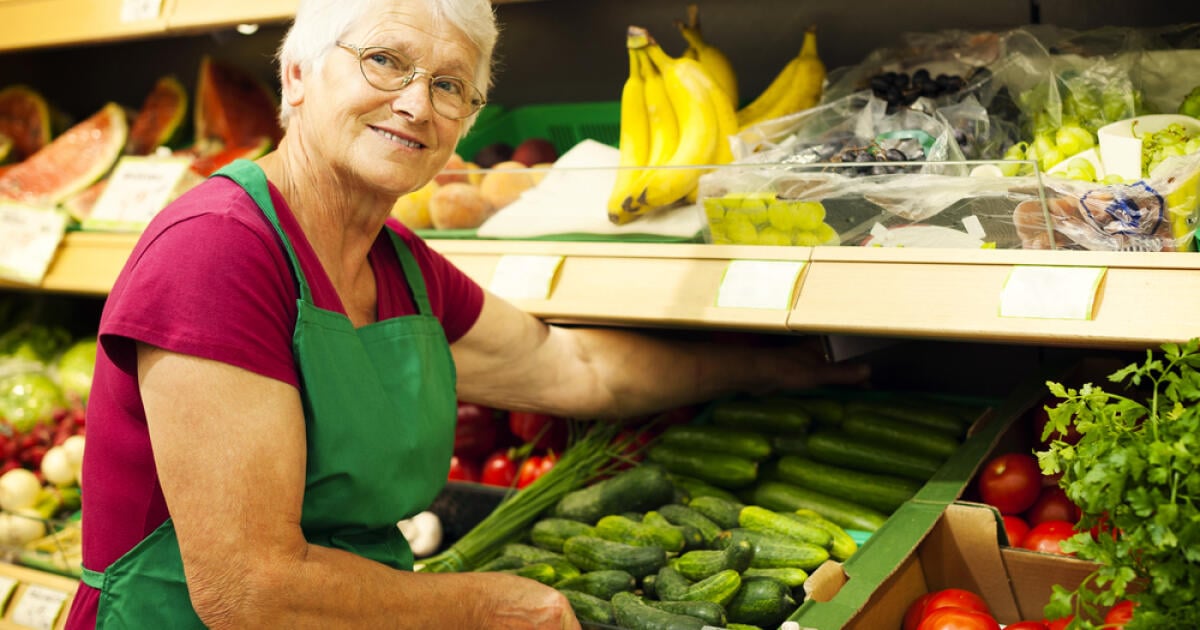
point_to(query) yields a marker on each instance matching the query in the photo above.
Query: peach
(458, 206)
(535, 151)
(539, 171)
(453, 171)
(413, 209)
(505, 182)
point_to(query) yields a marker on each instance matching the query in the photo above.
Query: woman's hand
(518, 602)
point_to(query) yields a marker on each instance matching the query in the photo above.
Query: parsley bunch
(1135, 475)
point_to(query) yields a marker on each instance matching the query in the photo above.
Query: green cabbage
(75, 368)
(28, 399)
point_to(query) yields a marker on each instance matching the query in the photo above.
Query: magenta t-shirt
(209, 278)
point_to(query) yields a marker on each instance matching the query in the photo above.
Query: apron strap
(94, 579)
(251, 177)
(412, 274)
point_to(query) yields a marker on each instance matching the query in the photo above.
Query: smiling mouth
(394, 138)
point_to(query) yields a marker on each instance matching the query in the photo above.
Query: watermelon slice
(159, 120)
(233, 107)
(79, 206)
(25, 118)
(206, 161)
(71, 163)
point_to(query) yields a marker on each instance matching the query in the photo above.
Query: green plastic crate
(563, 124)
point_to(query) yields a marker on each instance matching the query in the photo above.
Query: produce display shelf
(939, 294)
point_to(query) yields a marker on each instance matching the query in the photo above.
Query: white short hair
(319, 24)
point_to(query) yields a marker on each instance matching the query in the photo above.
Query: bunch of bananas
(674, 115)
(709, 56)
(797, 87)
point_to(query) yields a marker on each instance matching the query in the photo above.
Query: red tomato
(916, 612)
(951, 618)
(1119, 615)
(1017, 529)
(1059, 624)
(1052, 505)
(499, 470)
(539, 429)
(1026, 625)
(1045, 537)
(956, 598)
(475, 431)
(1103, 526)
(1010, 482)
(462, 470)
(534, 467)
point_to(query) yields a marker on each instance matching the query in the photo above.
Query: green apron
(379, 409)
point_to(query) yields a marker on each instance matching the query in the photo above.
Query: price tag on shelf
(7, 585)
(29, 237)
(140, 10)
(768, 284)
(1051, 292)
(38, 607)
(137, 189)
(525, 277)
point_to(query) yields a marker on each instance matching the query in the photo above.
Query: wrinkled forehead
(416, 29)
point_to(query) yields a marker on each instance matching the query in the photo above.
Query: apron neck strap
(253, 180)
(412, 274)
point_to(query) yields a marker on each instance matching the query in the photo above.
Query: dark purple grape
(895, 155)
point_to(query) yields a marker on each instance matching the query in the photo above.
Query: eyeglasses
(388, 70)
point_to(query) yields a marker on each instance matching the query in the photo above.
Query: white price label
(38, 607)
(28, 239)
(1051, 292)
(7, 585)
(137, 189)
(140, 10)
(768, 284)
(525, 277)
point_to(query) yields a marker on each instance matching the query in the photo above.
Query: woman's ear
(292, 84)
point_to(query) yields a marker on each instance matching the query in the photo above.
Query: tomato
(1052, 505)
(1059, 624)
(475, 431)
(499, 469)
(1026, 625)
(916, 612)
(1119, 615)
(956, 598)
(951, 618)
(1102, 525)
(534, 467)
(462, 470)
(1017, 529)
(1010, 482)
(1045, 537)
(543, 431)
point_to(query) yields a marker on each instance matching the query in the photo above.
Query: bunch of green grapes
(1174, 140)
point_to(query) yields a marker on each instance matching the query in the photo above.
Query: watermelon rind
(160, 119)
(25, 118)
(213, 157)
(74, 160)
(233, 108)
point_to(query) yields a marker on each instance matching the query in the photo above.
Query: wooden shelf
(1144, 300)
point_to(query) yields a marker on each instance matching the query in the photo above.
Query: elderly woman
(280, 361)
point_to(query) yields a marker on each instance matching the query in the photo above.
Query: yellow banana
(692, 97)
(633, 143)
(664, 125)
(715, 62)
(797, 87)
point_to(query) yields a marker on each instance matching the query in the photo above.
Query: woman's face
(392, 141)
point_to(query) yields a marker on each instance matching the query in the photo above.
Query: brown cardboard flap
(1033, 574)
(963, 551)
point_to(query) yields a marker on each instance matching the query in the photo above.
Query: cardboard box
(962, 550)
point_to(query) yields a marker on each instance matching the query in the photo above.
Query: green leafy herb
(1135, 474)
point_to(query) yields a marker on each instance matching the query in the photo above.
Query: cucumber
(848, 451)
(792, 576)
(786, 497)
(691, 536)
(710, 612)
(648, 588)
(723, 513)
(551, 533)
(694, 487)
(670, 585)
(912, 411)
(683, 515)
(589, 607)
(540, 571)
(761, 601)
(843, 545)
(719, 469)
(618, 528)
(741, 626)
(790, 444)
(900, 433)
(603, 583)
(773, 416)
(528, 553)
(772, 551)
(885, 493)
(593, 554)
(824, 411)
(633, 613)
(638, 489)
(765, 520)
(502, 563)
(719, 588)
(699, 564)
(740, 442)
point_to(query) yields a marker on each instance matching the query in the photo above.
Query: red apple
(535, 151)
